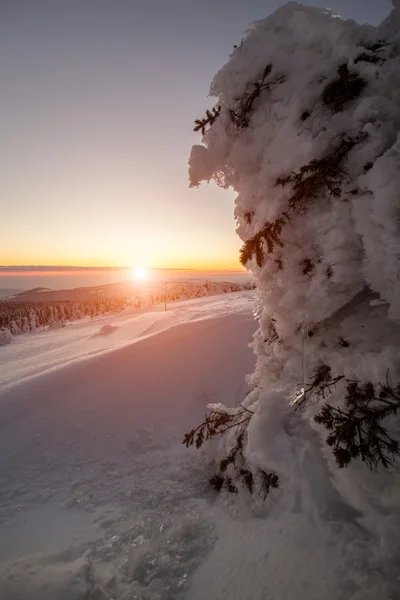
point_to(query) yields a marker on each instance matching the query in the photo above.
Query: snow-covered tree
(5, 336)
(306, 130)
(15, 330)
(33, 319)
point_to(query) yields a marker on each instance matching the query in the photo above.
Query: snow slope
(40, 352)
(95, 485)
(99, 497)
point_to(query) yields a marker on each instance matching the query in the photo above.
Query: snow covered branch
(312, 148)
(356, 431)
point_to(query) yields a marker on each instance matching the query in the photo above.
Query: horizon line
(65, 268)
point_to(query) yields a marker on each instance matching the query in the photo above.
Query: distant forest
(23, 316)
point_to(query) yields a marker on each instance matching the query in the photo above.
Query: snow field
(97, 493)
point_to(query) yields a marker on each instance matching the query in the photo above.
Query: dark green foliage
(284, 180)
(318, 175)
(246, 477)
(370, 58)
(241, 112)
(376, 46)
(308, 266)
(250, 248)
(320, 376)
(210, 118)
(270, 234)
(230, 486)
(248, 217)
(216, 423)
(244, 106)
(326, 173)
(356, 431)
(231, 458)
(272, 336)
(322, 381)
(343, 343)
(217, 481)
(346, 87)
(268, 481)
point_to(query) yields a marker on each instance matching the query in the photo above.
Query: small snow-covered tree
(5, 336)
(15, 330)
(25, 324)
(306, 130)
(32, 320)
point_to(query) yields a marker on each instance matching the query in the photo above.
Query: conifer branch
(370, 58)
(240, 114)
(248, 217)
(268, 481)
(356, 432)
(210, 118)
(272, 334)
(377, 46)
(346, 87)
(218, 423)
(313, 178)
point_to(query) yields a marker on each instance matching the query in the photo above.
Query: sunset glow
(139, 274)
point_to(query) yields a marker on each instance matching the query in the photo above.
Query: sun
(139, 274)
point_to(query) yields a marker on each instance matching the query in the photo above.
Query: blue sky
(98, 103)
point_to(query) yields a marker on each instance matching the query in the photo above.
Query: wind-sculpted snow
(306, 131)
(349, 239)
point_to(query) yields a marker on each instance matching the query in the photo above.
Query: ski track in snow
(99, 497)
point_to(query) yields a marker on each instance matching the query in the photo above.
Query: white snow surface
(40, 352)
(99, 497)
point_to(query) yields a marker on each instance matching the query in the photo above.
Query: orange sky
(98, 108)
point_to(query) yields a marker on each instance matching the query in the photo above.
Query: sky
(98, 103)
